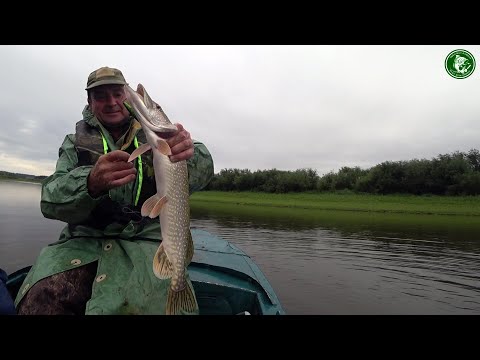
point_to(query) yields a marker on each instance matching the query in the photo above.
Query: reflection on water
(318, 262)
(326, 262)
(23, 229)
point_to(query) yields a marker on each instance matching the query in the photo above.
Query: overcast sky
(255, 107)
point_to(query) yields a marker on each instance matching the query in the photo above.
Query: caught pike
(171, 202)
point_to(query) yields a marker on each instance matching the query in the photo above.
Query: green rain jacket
(124, 283)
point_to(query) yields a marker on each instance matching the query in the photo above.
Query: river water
(329, 263)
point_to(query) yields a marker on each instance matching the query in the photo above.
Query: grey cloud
(257, 107)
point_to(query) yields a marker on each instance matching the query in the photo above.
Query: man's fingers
(118, 166)
(111, 170)
(182, 146)
(105, 166)
(117, 155)
(185, 155)
(121, 174)
(122, 181)
(178, 138)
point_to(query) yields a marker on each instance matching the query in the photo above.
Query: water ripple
(327, 271)
(316, 267)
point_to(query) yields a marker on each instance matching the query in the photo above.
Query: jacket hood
(89, 117)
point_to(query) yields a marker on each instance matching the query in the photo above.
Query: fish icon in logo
(460, 64)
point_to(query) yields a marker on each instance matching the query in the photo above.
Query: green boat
(226, 280)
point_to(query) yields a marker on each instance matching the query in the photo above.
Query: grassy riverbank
(407, 204)
(30, 181)
(8, 176)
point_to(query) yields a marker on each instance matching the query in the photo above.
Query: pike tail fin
(181, 302)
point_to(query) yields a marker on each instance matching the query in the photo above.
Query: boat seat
(220, 300)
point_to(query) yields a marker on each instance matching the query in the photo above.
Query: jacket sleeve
(64, 193)
(200, 167)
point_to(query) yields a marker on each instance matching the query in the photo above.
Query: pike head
(146, 111)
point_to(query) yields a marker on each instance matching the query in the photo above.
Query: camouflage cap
(104, 76)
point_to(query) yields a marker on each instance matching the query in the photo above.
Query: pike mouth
(137, 108)
(155, 126)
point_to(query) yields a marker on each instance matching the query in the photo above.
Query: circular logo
(460, 64)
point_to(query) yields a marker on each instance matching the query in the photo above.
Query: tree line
(457, 173)
(19, 176)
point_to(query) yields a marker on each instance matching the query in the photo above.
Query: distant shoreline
(28, 181)
(5, 175)
(399, 204)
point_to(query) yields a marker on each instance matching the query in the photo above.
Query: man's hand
(110, 171)
(180, 143)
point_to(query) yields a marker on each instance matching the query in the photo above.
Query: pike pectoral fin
(163, 147)
(162, 267)
(152, 206)
(181, 302)
(139, 151)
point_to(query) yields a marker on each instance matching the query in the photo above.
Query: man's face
(106, 102)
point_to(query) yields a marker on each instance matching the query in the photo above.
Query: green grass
(403, 204)
(6, 178)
